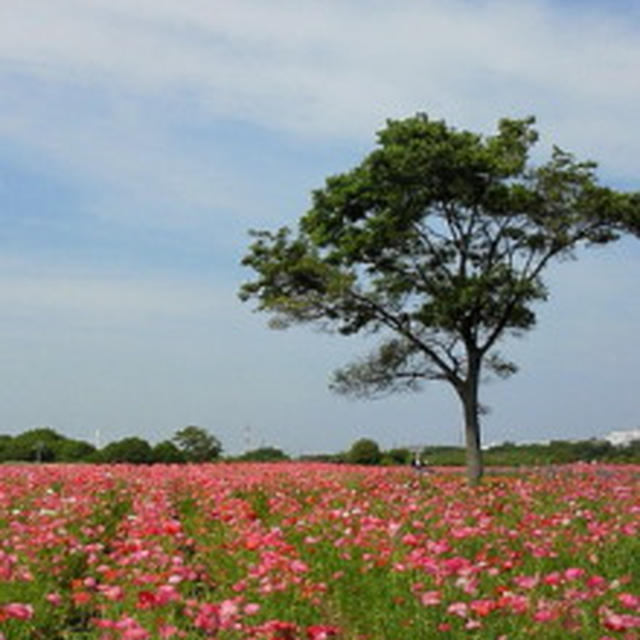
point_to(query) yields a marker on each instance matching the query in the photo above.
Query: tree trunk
(472, 440)
(469, 397)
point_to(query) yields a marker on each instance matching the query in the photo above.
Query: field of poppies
(311, 552)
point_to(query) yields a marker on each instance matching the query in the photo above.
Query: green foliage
(43, 445)
(5, 447)
(561, 452)
(336, 458)
(35, 445)
(166, 452)
(132, 450)
(556, 452)
(364, 451)
(507, 454)
(398, 456)
(443, 456)
(46, 445)
(74, 451)
(197, 444)
(264, 454)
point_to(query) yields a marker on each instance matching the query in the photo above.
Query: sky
(140, 140)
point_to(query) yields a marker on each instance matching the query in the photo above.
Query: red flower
(482, 607)
(321, 632)
(208, 619)
(146, 600)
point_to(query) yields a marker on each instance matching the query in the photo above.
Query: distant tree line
(190, 444)
(367, 451)
(194, 444)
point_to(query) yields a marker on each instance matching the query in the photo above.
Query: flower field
(312, 552)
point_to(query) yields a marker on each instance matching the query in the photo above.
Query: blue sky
(140, 140)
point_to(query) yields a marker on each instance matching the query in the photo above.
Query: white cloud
(128, 151)
(320, 69)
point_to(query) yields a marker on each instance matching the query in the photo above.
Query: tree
(5, 447)
(437, 242)
(74, 450)
(264, 454)
(197, 444)
(37, 445)
(43, 445)
(132, 450)
(166, 452)
(398, 456)
(364, 451)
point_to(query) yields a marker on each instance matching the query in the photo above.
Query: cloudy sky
(140, 139)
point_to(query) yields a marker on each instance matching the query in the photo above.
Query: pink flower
(596, 581)
(620, 622)
(104, 623)
(544, 615)
(458, 609)
(526, 582)
(554, 578)
(227, 610)
(207, 618)
(629, 600)
(251, 608)
(131, 629)
(166, 593)
(297, 566)
(280, 628)
(430, 598)
(167, 631)
(573, 573)
(411, 540)
(112, 592)
(515, 602)
(18, 611)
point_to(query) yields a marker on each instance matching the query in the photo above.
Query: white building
(623, 438)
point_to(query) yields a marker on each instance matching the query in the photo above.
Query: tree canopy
(132, 450)
(437, 242)
(43, 444)
(264, 454)
(364, 451)
(197, 444)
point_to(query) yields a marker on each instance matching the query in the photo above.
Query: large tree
(437, 242)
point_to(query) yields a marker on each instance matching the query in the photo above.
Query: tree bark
(475, 467)
(469, 397)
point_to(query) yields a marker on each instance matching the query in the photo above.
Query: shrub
(166, 452)
(264, 454)
(364, 451)
(132, 450)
